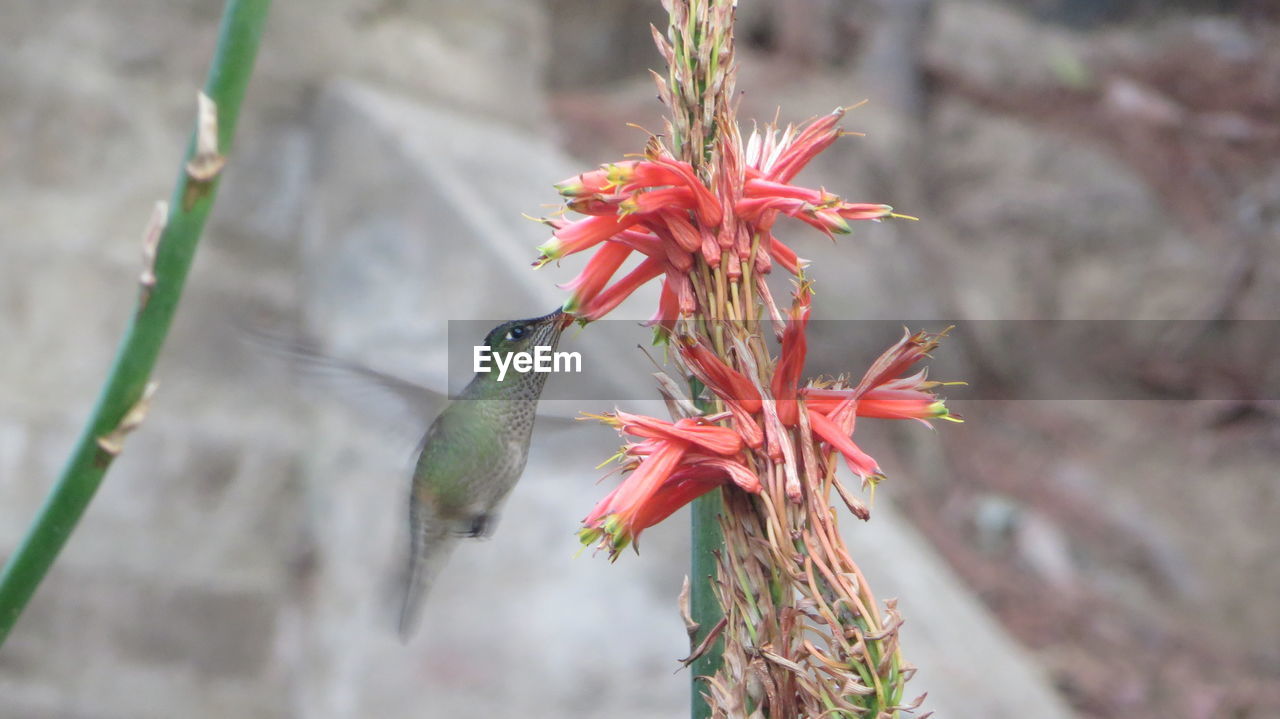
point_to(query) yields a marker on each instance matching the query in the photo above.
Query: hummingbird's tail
(430, 545)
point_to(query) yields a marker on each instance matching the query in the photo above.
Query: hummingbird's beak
(565, 318)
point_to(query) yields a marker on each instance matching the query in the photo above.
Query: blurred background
(1071, 160)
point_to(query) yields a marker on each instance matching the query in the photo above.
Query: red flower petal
(710, 249)
(769, 188)
(668, 306)
(746, 425)
(711, 437)
(606, 205)
(640, 485)
(612, 296)
(795, 346)
(895, 360)
(667, 198)
(708, 207)
(599, 270)
(785, 256)
(644, 242)
(813, 139)
(583, 234)
(737, 472)
(863, 211)
(879, 403)
(633, 176)
(672, 495)
(587, 183)
(682, 232)
(723, 380)
(860, 462)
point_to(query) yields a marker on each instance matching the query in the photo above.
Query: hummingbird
(472, 456)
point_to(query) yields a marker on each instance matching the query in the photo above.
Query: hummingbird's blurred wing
(308, 360)
(403, 405)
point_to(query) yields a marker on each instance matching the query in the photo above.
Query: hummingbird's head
(524, 335)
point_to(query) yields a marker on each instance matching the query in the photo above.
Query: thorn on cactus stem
(207, 163)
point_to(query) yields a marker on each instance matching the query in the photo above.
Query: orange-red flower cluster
(671, 465)
(660, 208)
(676, 463)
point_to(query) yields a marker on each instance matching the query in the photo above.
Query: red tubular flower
(733, 268)
(619, 518)
(625, 177)
(679, 260)
(895, 360)
(747, 427)
(600, 205)
(786, 376)
(681, 231)
(611, 297)
(676, 492)
(710, 249)
(635, 175)
(632, 507)
(726, 382)
(812, 140)
(582, 235)
(784, 255)
(903, 409)
(668, 306)
(829, 214)
(713, 438)
(880, 394)
(645, 243)
(706, 205)
(585, 184)
(827, 220)
(678, 462)
(718, 469)
(680, 257)
(599, 270)
(904, 398)
(685, 301)
(763, 188)
(859, 462)
(759, 210)
(863, 211)
(667, 198)
(734, 388)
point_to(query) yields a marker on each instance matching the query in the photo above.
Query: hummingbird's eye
(516, 333)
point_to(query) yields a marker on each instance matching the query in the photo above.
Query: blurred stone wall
(236, 560)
